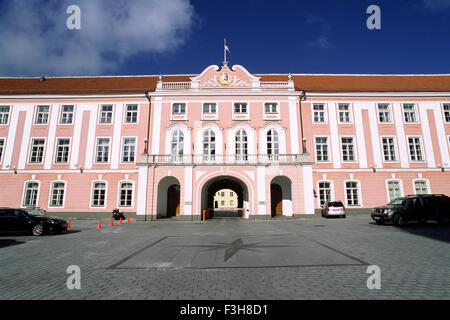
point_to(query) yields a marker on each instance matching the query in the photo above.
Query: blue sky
(132, 37)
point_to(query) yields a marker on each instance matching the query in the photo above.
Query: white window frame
(125, 110)
(2, 149)
(235, 114)
(119, 194)
(360, 202)
(355, 153)
(271, 116)
(36, 113)
(427, 182)
(123, 149)
(318, 191)
(101, 112)
(61, 114)
(422, 150)
(91, 206)
(445, 111)
(416, 113)
(3, 113)
(328, 150)
(325, 113)
(30, 152)
(96, 150)
(400, 185)
(56, 149)
(243, 145)
(395, 149)
(389, 111)
(350, 112)
(209, 157)
(50, 198)
(22, 204)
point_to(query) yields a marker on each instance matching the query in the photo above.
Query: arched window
(324, 192)
(31, 194)
(177, 145)
(273, 144)
(98, 194)
(57, 194)
(241, 145)
(209, 146)
(394, 190)
(126, 194)
(421, 187)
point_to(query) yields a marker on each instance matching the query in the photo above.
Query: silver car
(333, 209)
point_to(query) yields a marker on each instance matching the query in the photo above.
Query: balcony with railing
(259, 159)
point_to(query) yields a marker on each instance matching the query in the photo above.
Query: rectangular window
(222, 203)
(409, 113)
(344, 113)
(446, 108)
(209, 108)
(129, 150)
(106, 114)
(389, 149)
(30, 194)
(351, 191)
(240, 108)
(131, 113)
(126, 194)
(321, 148)
(394, 190)
(319, 113)
(348, 149)
(231, 203)
(37, 150)
(324, 192)
(42, 113)
(179, 108)
(62, 150)
(384, 113)
(98, 194)
(66, 115)
(421, 187)
(2, 146)
(271, 107)
(415, 149)
(57, 198)
(4, 114)
(102, 150)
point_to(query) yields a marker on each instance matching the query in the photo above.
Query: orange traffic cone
(68, 225)
(99, 226)
(111, 224)
(128, 219)
(120, 221)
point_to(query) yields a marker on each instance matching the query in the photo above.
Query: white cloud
(34, 39)
(321, 42)
(435, 5)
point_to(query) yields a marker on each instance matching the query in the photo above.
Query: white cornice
(65, 97)
(377, 94)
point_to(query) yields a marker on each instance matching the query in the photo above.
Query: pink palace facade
(162, 146)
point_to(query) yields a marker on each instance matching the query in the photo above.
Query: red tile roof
(306, 82)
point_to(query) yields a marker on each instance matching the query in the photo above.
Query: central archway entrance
(230, 188)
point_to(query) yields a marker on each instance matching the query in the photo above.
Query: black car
(420, 208)
(32, 221)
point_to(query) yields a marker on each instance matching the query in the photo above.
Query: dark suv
(420, 208)
(32, 221)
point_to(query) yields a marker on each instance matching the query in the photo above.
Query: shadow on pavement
(429, 230)
(9, 242)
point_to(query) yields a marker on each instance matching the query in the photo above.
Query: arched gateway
(216, 184)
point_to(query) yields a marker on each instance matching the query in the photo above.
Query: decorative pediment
(236, 77)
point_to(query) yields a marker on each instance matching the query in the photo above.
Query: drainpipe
(146, 149)
(301, 122)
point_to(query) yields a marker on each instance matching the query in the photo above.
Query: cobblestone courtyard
(312, 258)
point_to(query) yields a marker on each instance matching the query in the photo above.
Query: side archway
(169, 195)
(281, 196)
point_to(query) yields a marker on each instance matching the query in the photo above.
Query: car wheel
(398, 220)
(343, 216)
(38, 230)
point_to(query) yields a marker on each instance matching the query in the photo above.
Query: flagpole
(225, 51)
